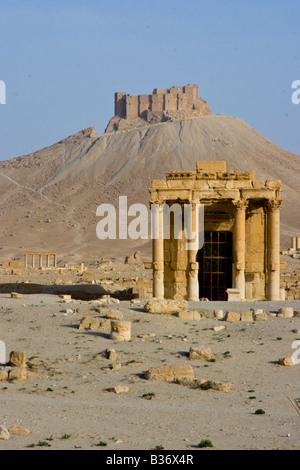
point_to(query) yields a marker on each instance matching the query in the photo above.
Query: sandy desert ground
(65, 402)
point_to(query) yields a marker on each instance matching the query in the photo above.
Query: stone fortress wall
(163, 104)
(160, 100)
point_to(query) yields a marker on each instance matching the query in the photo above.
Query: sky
(62, 61)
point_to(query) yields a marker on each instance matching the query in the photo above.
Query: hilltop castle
(159, 106)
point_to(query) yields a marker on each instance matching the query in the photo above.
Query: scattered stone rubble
(166, 306)
(200, 354)
(169, 373)
(206, 384)
(16, 369)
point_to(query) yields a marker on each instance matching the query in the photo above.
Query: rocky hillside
(49, 198)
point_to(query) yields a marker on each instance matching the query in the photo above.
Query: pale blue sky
(63, 60)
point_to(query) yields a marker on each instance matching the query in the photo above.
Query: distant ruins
(178, 102)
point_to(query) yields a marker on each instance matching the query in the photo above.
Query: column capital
(156, 201)
(240, 204)
(273, 205)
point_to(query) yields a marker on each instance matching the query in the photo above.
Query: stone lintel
(261, 193)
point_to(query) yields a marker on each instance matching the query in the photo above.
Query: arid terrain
(48, 203)
(49, 198)
(65, 400)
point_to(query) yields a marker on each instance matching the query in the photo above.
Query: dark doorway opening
(215, 265)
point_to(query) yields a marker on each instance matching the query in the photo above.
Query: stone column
(40, 260)
(273, 249)
(48, 260)
(158, 251)
(298, 243)
(120, 330)
(294, 243)
(239, 247)
(55, 260)
(26, 260)
(193, 282)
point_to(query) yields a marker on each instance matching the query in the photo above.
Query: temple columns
(239, 246)
(193, 246)
(273, 249)
(158, 251)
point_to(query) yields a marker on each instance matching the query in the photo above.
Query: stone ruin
(241, 235)
(178, 102)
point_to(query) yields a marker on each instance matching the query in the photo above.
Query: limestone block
(200, 353)
(233, 295)
(3, 374)
(19, 430)
(16, 374)
(17, 359)
(286, 312)
(114, 314)
(286, 361)
(189, 315)
(148, 265)
(218, 166)
(273, 184)
(221, 386)
(16, 295)
(297, 313)
(219, 314)
(246, 316)
(88, 323)
(169, 373)
(232, 317)
(120, 330)
(4, 434)
(207, 384)
(119, 389)
(111, 354)
(105, 323)
(66, 296)
(218, 328)
(260, 316)
(166, 306)
(16, 272)
(258, 310)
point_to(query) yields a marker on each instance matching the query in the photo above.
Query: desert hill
(49, 198)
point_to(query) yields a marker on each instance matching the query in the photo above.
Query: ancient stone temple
(241, 235)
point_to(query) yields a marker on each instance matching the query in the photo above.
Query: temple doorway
(215, 265)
